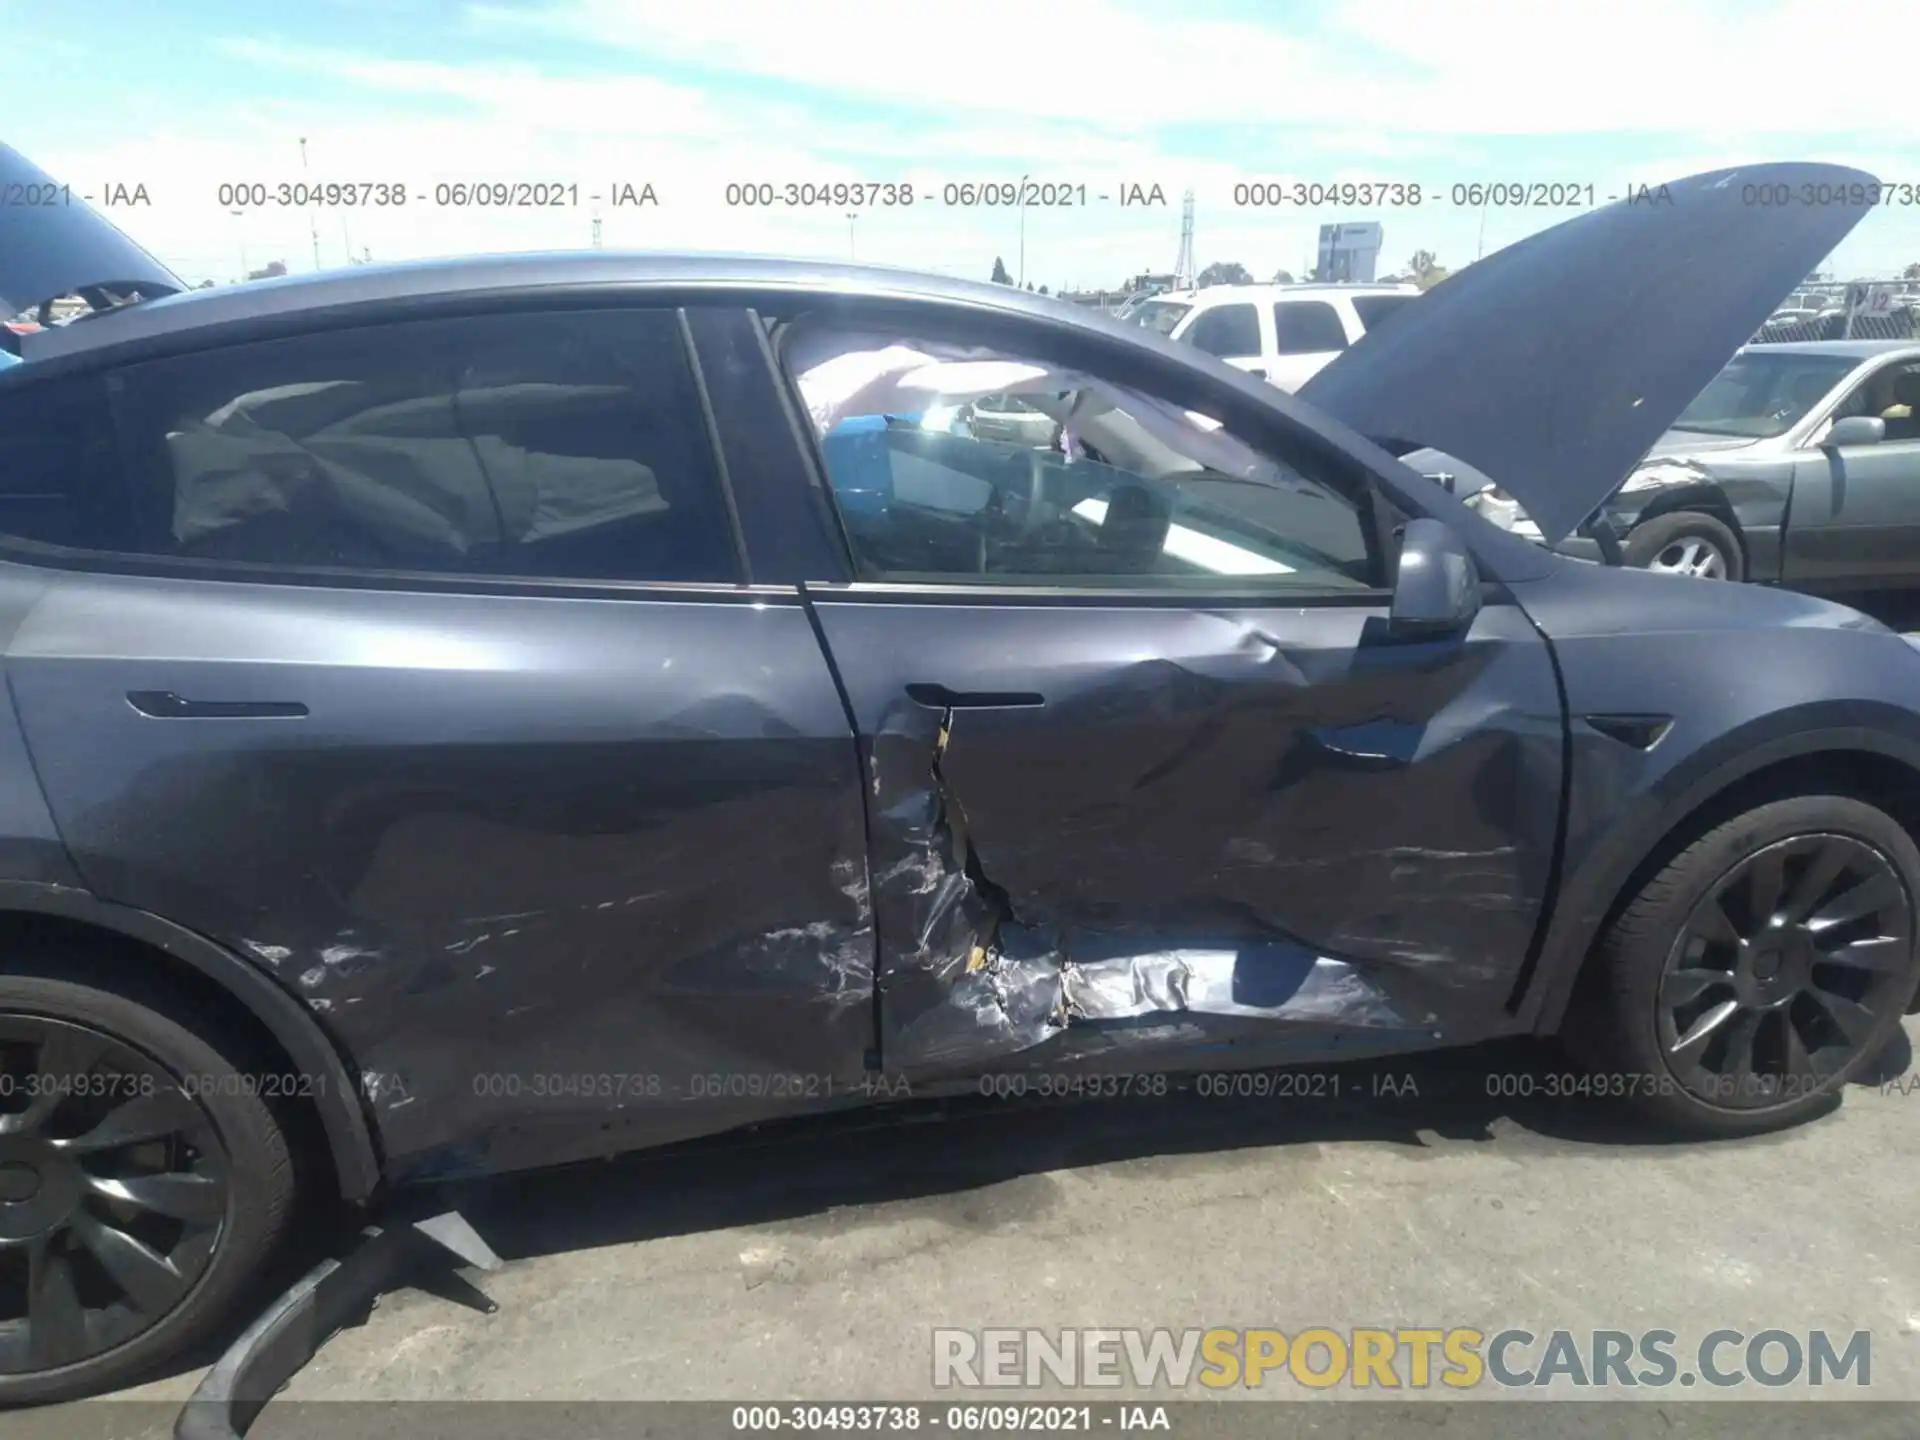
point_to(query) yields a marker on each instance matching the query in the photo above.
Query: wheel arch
(1878, 765)
(348, 1137)
(1702, 498)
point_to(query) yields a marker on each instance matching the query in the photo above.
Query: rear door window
(1307, 327)
(567, 446)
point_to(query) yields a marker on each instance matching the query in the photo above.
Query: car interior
(1891, 393)
(1111, 494)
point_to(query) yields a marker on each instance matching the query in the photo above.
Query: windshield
(1761, 395)
(1159, 315)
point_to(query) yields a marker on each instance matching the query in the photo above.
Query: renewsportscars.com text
(1401, 1358)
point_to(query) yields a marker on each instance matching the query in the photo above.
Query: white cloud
(1081, 92)
(1495, 67)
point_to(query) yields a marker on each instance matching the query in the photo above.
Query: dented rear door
(567, 856)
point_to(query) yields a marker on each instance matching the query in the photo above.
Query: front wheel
(1686, 542)
(1761, 969)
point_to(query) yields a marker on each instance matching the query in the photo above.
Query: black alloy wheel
(1764, 965)
(1785, 970)
(113, 1193)
(146, 1182)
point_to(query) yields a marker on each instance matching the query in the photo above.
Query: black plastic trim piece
(939, 697)
(165, 705)
(323, 1301)
(711, 428)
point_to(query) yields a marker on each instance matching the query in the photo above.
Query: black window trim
(1373, 514)
(1092, 597)
(773, 340)
(19, 550)
(742, 564)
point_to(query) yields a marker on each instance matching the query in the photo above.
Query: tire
(1686, 542)
(227, 1136)
(1637, 1019)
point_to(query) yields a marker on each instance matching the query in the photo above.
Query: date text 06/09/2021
(1026, 192)
(477, 194)
(990, 1419)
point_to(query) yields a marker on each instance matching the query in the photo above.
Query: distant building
(1348, 252)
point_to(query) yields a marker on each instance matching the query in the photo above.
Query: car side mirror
(1855, 430)
(1436, 585)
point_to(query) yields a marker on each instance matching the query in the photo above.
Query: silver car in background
(1798, 466)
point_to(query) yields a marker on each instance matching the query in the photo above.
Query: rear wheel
(144, 1183)
(1686, 542)
(1762, 968)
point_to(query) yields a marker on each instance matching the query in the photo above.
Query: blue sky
(690, 94)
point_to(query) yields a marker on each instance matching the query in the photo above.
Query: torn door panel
(1023, 991)
(1257, 815)
(1366, 826)
(978, 986)
(1272, 981)
(941, 922)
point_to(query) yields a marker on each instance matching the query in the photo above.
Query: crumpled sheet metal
(1020, 992)
(1266, 982)
(978, 985)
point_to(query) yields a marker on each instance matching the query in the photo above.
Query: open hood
(53, 243)
(1555, 363)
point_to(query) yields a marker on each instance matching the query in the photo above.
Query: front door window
(1112, 488)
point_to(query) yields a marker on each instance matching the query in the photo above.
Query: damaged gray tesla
(480, 714)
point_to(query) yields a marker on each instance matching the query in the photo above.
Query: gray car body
(428, 877)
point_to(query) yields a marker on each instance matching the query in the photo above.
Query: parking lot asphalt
(812, 1261)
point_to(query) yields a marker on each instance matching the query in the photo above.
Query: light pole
(313, 221)
(240, 235)
(1021, 283)
(851, 217)
(1481, 248)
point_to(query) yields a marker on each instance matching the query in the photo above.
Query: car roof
(393, 285)
(1561, 422)
(1309, 290)
(1845, 349)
